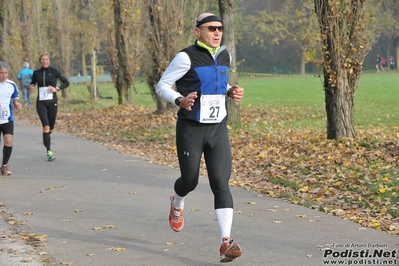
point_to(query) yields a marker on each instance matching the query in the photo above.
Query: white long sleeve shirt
(179, 66)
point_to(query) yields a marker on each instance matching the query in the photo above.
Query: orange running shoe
(176, 219)
(5, 170)
(229, 250)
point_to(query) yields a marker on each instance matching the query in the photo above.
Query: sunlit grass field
(376, 100)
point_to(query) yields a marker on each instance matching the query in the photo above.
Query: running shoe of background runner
(50, 156)
(5, 170)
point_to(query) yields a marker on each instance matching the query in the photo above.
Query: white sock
(225, 220)
(178, 202)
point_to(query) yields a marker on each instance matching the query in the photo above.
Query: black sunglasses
(214, 28)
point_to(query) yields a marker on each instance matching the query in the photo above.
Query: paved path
(100, 207)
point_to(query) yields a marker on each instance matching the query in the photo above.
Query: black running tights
(194, 139)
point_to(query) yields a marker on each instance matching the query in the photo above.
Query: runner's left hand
(18, 105)
(236, 93)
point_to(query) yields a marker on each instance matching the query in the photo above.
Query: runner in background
(25, 77)
(378, 65)
(47, 102)
(392, 63)
(8, 99)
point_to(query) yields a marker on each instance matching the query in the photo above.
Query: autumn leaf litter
(355, 179)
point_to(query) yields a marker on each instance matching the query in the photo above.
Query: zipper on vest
(217, 77)
(44, 78)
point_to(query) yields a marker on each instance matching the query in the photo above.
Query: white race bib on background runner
(213, 108)
(45, 94)
(4, 113)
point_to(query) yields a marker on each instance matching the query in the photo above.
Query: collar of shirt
(211, 50)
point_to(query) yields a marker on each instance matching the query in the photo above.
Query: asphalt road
(96, 206)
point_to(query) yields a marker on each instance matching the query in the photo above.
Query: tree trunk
(165, 26)
(303, 64)
(122, 82)
(26, 44)
(226, 8)
(84, 65)
(2, 28)
(161, 108)
(396, 55)
(4, 36)
(344, 44)
(93, 92)
(38, 23)
(339, 109)
(62, 28)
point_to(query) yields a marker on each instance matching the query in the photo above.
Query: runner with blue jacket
(200, 73)
(25, 77)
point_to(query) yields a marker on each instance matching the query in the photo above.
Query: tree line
(140, 37)
(267, 33)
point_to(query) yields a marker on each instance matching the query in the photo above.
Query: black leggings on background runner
(47, 112)
(193, 139)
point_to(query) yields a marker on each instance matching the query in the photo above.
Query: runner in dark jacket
(47, 101)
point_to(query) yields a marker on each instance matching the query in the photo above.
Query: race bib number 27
(213, 108)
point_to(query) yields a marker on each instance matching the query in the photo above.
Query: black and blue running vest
(206, 76)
